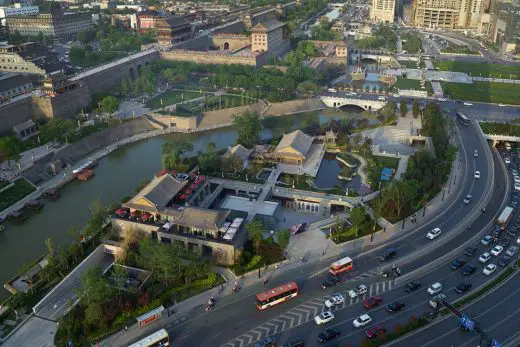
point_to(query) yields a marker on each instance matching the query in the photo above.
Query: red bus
(276, 295)
(342, 265)
(159, 338)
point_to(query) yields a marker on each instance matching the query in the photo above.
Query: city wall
(63, 106)
(14, 113)
(213, 58)
(234, 41)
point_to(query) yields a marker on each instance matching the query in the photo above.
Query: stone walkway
(361, 168)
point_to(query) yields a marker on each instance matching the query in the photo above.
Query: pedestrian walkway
(402, 167)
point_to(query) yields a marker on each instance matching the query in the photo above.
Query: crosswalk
(302, 314)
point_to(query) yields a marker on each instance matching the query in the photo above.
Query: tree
(307, 87)
(416, 109)
(126, 86)
(357, 216)
(93, 314)
(255, 230)
(109, 104)
(403, 108)
(283, 238)
(10, 148)
(232, 163)
(173, 153)
(58, 130)
(98, 215)
(389, 109)
(164, 261)
(248, 127)
(95, 287)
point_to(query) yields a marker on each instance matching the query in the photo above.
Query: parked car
(328, 334)
(412, 286)
(504, 241)
(497, 250)
(359, 290)
(484, 257)
(511, 251)
(468, 270)
(435, 288)
(463, 287)
(330, 281)
(504, 261)
(458, 263)
(434, 233)
(296, 342)
(269, 341)
(395, 306)
(486, 240)
(372, 302)
(324, 317)
(375, 331)
(489, 269)
(334, 301)
(362, 320)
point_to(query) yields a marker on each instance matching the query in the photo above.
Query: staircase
(155, 122)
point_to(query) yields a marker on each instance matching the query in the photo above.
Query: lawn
(172, 97)
(408, 64)
(405, 83)
(484, 92)
(479, 69)
(387, 162)
(507, 129)
(21, 189)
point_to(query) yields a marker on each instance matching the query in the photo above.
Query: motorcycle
(385, 274)
(210, 304)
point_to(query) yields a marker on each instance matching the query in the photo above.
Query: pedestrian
(276, 267)
(126, 328)
(222, 287)
(265, 281)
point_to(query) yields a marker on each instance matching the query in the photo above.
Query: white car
(489, 269)
(362, 320)
(507, 160)
(359, 290)
(442, 99)
(435, 288)
(477, 174)
(467, 199)
(468, 104)
(324, 317)
(335, 300)
(517, 186)
(501, 105)
(433, 234)
(511, 251)
(516, 178)
(486, 240)
(497, 250)
(484, 258)
(475, 153)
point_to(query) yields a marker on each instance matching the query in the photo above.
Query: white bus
(505, 217)
(159, 338)
(342, 265)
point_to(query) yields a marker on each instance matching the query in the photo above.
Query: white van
(508, 146)
(382, 98)
(332, 90)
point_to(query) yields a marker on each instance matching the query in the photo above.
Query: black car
(395, 306)
(331, 281)
(504, 241)
(470, 251)
(504, 261)
(412, 286)
(328, 335)
(388, 254)
(463, 287)
(469, 270)
(458, 263)
(294, 343)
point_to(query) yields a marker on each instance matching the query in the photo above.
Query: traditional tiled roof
(297, 140)
(157, 193)
(202, 218)
(239, 151)
(269, 25)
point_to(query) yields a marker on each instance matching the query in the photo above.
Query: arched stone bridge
(363, 102)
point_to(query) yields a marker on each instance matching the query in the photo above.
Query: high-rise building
(382, 11)
(55, 23)
(451, 14)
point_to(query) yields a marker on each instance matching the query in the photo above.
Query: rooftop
(156, 195)
(296, 140)
(269, 25)
(239, 151)
(202, 218)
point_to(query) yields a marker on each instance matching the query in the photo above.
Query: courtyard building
(241, 153)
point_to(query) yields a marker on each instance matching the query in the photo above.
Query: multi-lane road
(236, 322)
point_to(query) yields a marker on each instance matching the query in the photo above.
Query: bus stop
(150, 316)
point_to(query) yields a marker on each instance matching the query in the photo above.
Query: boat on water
(85, 175)
(86, 166)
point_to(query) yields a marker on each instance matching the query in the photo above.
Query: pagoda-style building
(172, 29)
(57, 83)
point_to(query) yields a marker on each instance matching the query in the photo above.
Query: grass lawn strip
(20, 190)
(479, 69)
(484, 92)
(172, 97)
